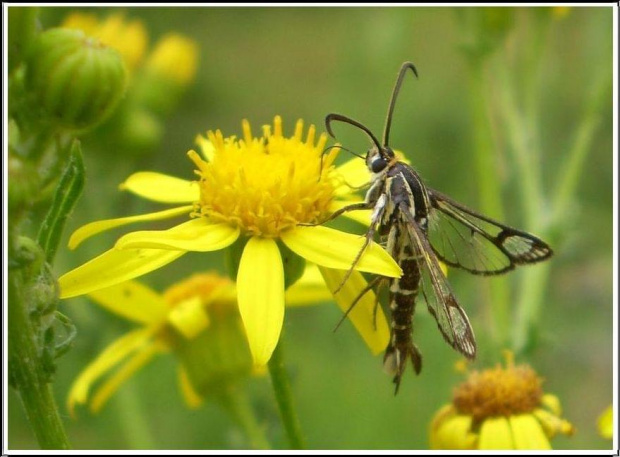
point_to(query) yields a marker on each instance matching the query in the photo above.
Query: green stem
(284, 398)
(27, 375)
(523, 146)
(571, 172)
(489, 190)
(531, 297)
(238, 405)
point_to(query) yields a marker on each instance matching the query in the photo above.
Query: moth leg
(379, 209)
(381, 282)
(345, 209)
(364, 291)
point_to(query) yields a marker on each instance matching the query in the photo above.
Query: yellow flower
(260, 191)
(499, 408)
(175, 57)
(196, 319)
(129, 38)
(606, 423)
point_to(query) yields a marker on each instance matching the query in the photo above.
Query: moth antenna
(339, 117)
(343, 148)
(399, 83)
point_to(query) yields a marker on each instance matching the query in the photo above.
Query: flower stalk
(284, 398)
(489, 189)
(236, 402)
(27, 375)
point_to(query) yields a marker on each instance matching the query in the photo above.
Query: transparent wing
(465, 239)
(442, 304)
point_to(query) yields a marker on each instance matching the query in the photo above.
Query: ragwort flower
(196, 318)
(260, 191)
(499, 408)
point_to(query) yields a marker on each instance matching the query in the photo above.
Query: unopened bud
(75, 79)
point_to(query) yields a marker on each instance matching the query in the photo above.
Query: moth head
(377, 159)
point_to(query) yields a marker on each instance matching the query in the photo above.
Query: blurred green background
(307, 62)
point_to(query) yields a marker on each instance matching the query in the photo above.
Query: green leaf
(67, 193)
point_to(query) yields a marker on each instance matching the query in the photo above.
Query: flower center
(268, 184)
(499, 392)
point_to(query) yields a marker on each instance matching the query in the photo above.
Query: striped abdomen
(406, 193)
(403, 293)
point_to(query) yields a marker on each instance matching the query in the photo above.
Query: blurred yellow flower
(606, 423)
(260, 191)
(196, 318)
(129, 38)
(174, 57)
(499, 408)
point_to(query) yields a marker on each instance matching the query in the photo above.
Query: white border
(5, 450)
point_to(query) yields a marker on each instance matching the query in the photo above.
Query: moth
(420, 227)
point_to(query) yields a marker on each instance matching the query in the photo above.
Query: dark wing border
(538, 249)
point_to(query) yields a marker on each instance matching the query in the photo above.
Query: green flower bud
(75, 79)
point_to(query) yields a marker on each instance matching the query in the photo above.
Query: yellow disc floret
(266, 185)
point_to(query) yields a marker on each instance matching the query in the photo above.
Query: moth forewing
(462, 238)
(451, 319)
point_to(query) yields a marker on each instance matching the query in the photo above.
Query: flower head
(174, 57)
(259, 192)
(499, 408)
(196, 319)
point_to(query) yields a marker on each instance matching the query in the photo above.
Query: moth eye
(378, 164)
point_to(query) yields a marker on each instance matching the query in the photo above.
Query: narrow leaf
(67, 193)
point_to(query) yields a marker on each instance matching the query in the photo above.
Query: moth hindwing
(420, 228)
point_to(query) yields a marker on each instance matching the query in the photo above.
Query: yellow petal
(606, 423)
(552, 403)
(528, 433)
(335, 249)
(194, 235)
(363, 314)
(162, 188)
(495, 434)
(362, 215)
(88, 230)
(137, 361)
(113, 267)
(189, 317)
(206, 147)
(132, 300)
(453, 432)
(552, 424)
(191, 397)
(310, 289)
(111, 355)
(260, 288)
(354, 172)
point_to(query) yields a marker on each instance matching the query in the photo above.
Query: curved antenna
(399, 82)
(339, 117)
(332, 147)
(343, 148)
